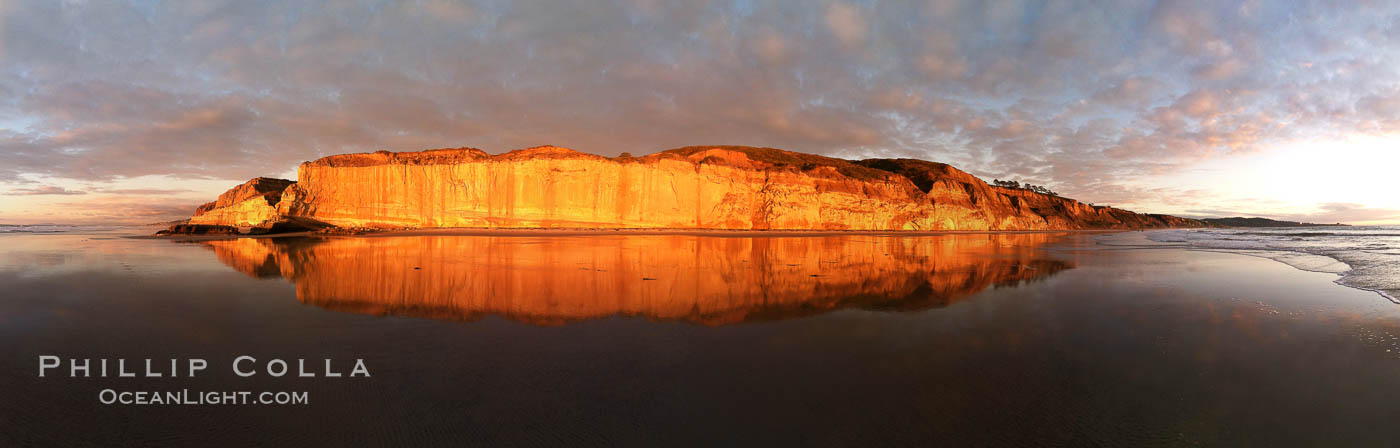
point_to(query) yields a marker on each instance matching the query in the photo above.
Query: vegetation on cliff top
(801, 160)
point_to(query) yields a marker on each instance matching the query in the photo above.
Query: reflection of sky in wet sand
(549, 280)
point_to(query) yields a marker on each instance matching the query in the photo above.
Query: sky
(136, 112)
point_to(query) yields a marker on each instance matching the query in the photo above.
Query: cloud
(1200, 103)
(773, 49)
(129, 211)
(1133, 92)
(447, 10)
(847, 23)
(1078, 96)
(141, 191)
(44, 190)
(1342, 212)
(1219, 70)
(104, 210)
(1326, 213)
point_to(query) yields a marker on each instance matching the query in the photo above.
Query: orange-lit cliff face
(690, 188)
(557, 187)
(254, 203)
(707, 280)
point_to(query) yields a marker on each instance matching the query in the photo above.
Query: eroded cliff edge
(702, 187)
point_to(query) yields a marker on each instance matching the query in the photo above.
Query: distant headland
(1239, 221)
(697, 187)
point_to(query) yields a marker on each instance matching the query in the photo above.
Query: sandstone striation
(701, 187)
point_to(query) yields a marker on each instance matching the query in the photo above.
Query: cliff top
(922, 172)
(446, 156)
(788, 158)
(267, 187)
(425, 157)
(546, 152)
(708, 154)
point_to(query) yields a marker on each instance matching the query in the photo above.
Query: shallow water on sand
(1001, 339)
(1367, 257)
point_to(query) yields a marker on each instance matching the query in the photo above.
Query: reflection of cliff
(550, 280)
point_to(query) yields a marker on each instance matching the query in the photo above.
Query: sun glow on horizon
(1319, 178)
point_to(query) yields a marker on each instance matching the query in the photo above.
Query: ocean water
(1365, 257)
(58, 228)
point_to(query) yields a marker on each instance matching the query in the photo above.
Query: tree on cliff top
(1027, 186)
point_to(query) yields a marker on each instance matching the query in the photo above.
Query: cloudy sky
(135, 112)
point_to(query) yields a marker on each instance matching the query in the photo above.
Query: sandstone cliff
(252, 204)
(962, 200)
(703, 187)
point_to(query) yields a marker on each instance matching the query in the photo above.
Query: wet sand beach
(675, 338)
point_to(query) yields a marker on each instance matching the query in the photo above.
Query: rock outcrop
(199, 229)
(702, 187)
(252, 204)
